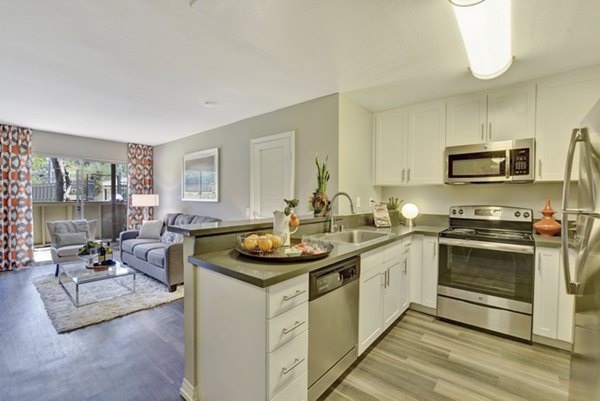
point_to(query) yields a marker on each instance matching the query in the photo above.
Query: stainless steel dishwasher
(333, 324)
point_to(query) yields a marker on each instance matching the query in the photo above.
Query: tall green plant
(322, 174)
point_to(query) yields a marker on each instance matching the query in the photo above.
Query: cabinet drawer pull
(490, 131)
(408, 175)
(288, 297)
(540, 168)
(297, 362)
(482, 128)
(294, 327)
(403, 174)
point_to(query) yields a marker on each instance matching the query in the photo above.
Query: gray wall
(54, 144)
(356, 156)
(316, 125)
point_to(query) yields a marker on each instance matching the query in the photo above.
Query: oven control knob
(526, 215)
(517, 214)
(453, 211)
(460, 211)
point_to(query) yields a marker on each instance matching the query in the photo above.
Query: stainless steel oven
(486, 269)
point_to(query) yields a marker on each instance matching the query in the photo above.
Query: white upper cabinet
(511, 113)
(504, 114)
(466, 119)
(426, 142)
(562, 103)
(409, 145)
(391, 130)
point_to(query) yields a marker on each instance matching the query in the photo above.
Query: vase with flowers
(319, 201)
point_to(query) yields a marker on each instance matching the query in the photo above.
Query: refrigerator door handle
(578, 135)
(575, 137)
(573, 287)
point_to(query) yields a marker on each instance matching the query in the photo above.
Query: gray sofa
(158, 258)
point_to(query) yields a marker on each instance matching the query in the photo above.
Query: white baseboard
(189, 392)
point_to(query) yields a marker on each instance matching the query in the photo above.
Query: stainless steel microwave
(501, 161)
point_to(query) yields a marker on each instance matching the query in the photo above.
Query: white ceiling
(140, 70)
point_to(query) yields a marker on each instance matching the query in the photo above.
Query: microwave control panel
(520, 161)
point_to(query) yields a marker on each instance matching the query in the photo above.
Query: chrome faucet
(332, 225)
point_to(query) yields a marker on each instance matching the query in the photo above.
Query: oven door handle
(492, 246)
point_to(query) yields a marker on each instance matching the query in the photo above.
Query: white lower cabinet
(253, 342)
(383, 291)
(552, 306)
(423, 271)
(429, 272)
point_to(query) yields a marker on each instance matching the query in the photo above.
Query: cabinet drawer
(393, 251)
(297, 391)
(284, 296)
(371, 259)
(286, 364)
(287, 326)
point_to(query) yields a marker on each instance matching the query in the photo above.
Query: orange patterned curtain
(16, 224)
(139, 180)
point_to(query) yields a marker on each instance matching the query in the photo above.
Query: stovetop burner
(490, 223)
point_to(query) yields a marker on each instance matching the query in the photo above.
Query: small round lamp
(410, 211)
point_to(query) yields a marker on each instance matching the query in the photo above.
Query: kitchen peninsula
(236, 307)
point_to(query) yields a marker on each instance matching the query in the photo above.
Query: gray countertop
(265, 274)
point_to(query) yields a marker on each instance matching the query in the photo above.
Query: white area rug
(66, 317)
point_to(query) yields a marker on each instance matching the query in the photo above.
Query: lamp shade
(144, 200)
(410, 211)
(485, 26)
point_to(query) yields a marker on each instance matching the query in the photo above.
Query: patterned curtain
(139, 180)
(16, 225)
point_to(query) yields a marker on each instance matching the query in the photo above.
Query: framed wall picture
(200, 181)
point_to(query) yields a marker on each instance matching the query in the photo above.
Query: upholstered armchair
(67, 237)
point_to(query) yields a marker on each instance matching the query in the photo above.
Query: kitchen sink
(355, 237)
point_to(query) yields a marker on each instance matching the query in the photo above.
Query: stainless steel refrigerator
(583, 278)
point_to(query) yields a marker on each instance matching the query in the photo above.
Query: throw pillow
(76, 238)
(171, 238)
(151, 229)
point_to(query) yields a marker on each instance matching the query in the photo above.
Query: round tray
(279, 254)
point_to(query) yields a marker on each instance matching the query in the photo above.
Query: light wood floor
(140, 357)
(425, 359)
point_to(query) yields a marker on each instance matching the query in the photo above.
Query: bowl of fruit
(260, 243)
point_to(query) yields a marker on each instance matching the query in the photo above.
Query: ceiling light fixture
(486, 31)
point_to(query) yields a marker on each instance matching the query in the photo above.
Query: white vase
(281, 226)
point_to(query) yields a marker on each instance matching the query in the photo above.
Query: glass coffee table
(74, 275)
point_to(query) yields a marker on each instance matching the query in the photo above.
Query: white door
(430, 272)
(369, 308)
(271, 173)
(545, 303)
(392, 282)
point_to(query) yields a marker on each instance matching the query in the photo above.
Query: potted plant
(393, 206)
(319, 201)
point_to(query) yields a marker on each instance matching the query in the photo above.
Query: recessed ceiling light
(210, 103)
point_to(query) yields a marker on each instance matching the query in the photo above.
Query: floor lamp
(145, 201)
